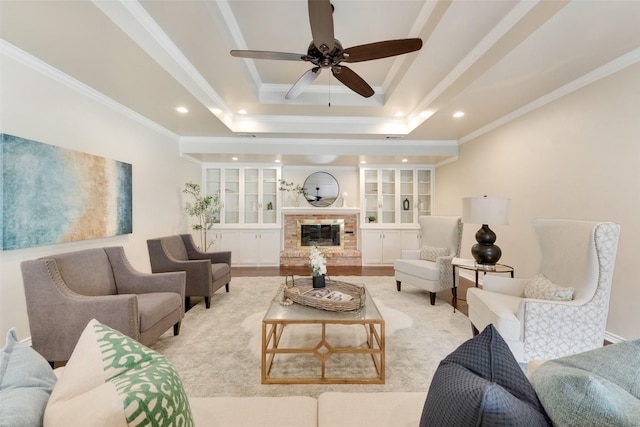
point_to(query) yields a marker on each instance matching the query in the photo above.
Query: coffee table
(280, 317)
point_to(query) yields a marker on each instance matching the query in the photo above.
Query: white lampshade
(485, 210)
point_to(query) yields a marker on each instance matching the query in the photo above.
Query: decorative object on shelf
(321, 189)
(371, 218)
(318, 264)
(485, 210)
(269, 206)
(344, 199)
(205, 209)
(290, 187)
(405, 204)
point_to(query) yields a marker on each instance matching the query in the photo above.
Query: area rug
(217, 351)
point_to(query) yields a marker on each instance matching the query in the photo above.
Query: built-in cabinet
(248, 223)
(381, 246)
(248, 194)
(395, 195)
(249, 220)
(392, 199)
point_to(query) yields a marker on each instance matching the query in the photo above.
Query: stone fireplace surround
(350, 255)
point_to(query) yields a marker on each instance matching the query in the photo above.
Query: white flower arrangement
(317, 262)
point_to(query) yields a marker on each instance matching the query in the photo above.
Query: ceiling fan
(326, 52)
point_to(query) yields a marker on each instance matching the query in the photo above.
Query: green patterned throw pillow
(113, 380)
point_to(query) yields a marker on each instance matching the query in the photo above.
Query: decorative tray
(335, 296)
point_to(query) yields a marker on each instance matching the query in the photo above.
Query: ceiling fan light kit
(325, 51)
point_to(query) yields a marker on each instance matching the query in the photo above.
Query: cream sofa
(480, 383)
(330, 409)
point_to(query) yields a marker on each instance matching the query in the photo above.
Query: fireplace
(320, 232)
(342, 224)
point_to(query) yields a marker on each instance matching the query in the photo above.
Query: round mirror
(321, 189)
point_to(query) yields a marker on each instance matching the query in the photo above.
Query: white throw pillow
(112, 380)
(539, 287)
(429, 253)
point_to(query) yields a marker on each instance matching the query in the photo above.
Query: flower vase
(318, 281)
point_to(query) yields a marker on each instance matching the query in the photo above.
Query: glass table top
(300, 312)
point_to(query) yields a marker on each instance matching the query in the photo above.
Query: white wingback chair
(434, 274)
(576, 254)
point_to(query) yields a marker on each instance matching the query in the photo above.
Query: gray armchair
(206, 271)
(65, 291)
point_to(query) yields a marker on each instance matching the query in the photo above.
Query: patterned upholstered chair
(65, 291)
(429, 268)
(538, 317)
(206, 271)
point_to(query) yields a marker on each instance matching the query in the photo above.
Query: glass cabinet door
(387, 196)
(423, 192)
(231, 196)
(407, 201)
(371, 195)
(213, 184)
(251, 195)
(269, 202)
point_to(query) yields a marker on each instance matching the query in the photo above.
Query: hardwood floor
(460, 304)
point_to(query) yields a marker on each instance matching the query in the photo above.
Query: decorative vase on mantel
(318, 281)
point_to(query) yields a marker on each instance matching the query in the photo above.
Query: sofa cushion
(383, 409)
(174, 246)
(153, 307)
(600, 387)
(481, 383)
(429, 253)
(252, 411)
(26, 381)
(87, 272)
(417, 267)
(220, 269)
(540, 287)
(102, 382)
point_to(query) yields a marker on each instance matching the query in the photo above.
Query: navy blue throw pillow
(481, 384)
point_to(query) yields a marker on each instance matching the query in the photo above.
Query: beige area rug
(218, 350)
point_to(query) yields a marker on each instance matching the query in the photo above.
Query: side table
(467, 264)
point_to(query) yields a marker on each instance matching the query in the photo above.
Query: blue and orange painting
(54, 195)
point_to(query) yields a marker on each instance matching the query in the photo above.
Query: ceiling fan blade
(303, 82)
(350, 79)
(384, 49)
(321, 20)
(262, 54)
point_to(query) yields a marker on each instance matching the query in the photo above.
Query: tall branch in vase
(297, 190)
(204, 210)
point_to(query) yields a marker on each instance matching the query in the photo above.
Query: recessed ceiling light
(458, 114)
(277, 160)
(243, 111)
(405, 160)
(234, 159)
(362, 162)
(181, 109)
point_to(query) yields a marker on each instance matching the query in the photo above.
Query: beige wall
(576, 158)
(36, 107)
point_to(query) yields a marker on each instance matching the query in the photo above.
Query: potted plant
(318, 264)
(297, 190)
(204, 209)
(372, 218)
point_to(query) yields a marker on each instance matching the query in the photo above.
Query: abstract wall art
(54, 195)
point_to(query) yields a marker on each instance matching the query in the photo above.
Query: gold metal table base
(272, 331)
